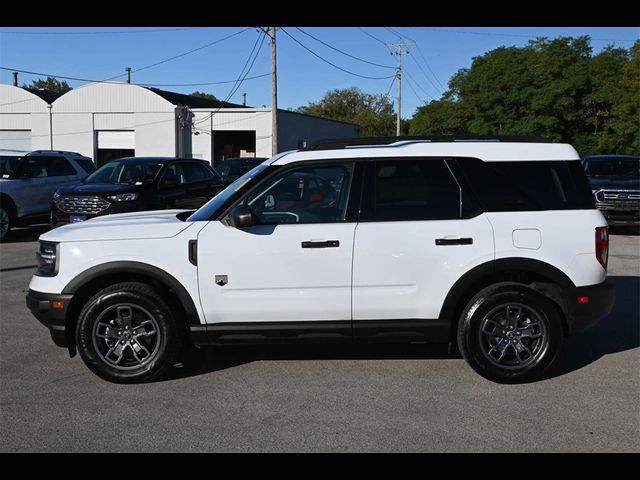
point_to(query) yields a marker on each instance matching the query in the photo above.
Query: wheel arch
(91, 281)
(9, 204)
(538, 275)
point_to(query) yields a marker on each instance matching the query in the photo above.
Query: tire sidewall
(470, 324)
(87, 349)
(10, 219)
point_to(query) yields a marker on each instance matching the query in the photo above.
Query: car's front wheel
(5, 222)
(510, 333)
(128, 333)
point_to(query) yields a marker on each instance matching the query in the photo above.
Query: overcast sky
(100, 53)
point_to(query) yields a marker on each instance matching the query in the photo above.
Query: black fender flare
(484, 270)
(124, 267)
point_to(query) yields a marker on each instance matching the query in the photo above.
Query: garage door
(15, 142)
(120, 139)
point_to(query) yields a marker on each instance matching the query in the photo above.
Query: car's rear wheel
(127, 333)
(510, 333)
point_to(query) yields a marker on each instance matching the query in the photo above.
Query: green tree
(51, 83)
(208, 96)
(373, 113)
(552, 88)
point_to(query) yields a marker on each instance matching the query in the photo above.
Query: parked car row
(65, 187)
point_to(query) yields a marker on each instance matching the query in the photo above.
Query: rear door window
(410, 189)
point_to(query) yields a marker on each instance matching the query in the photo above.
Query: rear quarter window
(536, 185)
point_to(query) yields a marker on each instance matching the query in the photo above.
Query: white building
(110, 120)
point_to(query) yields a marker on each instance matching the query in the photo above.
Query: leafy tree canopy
(51, 83)
(555, 88)
(373, 113)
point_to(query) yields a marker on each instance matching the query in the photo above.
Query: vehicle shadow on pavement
(212, 359)
(619, 332)
(26, 234)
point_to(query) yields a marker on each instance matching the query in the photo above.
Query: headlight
(124, 197)
(48, 259)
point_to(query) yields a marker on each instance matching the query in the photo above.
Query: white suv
(495, 245)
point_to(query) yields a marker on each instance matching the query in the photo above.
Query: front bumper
(581, 316)
(620, 215)
(55, 319)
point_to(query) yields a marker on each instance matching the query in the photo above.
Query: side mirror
(241, 217)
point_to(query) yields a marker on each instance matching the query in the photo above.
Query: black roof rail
(340, 143)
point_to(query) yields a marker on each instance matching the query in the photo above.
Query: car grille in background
(84, 205)
(618, 196)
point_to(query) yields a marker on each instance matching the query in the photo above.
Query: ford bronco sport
(493, 244)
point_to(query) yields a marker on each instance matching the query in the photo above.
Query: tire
(6, 222)
(509, 333)
(127, 333)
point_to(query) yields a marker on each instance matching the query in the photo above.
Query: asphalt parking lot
(320, 398)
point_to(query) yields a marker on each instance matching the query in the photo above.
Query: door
(411, 246)
(294, 265)
(172, 187)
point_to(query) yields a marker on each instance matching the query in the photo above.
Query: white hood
(121, 226)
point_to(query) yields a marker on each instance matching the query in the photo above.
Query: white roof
(487, 151)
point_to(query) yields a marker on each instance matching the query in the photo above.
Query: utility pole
(15, 79)
(244, 99)
(400, 50)
(128, 70)
(274, 94)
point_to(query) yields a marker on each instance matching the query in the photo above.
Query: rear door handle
(454, 241)
(321, 244)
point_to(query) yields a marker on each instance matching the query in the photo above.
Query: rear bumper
(581, 316)
(55, 319)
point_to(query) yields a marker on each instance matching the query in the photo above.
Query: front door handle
(454, 241)
(321, 244)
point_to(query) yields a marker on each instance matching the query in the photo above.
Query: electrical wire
(241, 78)
(411, 80)
(439, 90)
(427, 64)
(372, 36)
(343, 53)
(391, 86)
(328, 62)
(101, 32)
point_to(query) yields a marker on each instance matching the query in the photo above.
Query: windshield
(8, 165)
(209, 209)
(126, 172)
(613, 166)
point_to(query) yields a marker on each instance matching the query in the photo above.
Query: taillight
(602, 245)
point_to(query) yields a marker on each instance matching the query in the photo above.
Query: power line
(391, 86)
(426, 76)
(328, 62)
(411, 80)
(344, 53)
(414, 92)
(191, 51)
(395, 32)
(242, 76)
(427, 64)
(97, 32)
(372, 36)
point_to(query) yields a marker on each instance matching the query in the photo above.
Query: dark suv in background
(615, 183)
(135, 184)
